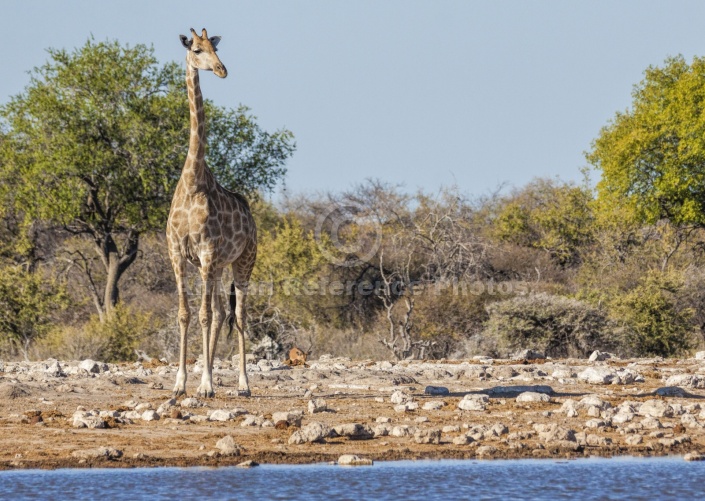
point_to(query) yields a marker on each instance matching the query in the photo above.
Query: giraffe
(210, 227)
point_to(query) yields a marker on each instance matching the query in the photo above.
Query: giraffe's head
(202, 53)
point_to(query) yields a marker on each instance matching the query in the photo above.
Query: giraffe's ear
(185, 41)
(215, 41)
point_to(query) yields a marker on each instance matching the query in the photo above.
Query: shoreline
(85, 414)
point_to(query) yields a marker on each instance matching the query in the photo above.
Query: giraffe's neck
(194, 172)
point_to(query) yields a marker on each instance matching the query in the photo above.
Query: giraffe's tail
(231, 315)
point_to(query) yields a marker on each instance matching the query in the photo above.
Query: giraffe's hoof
(205, 394)
(244, 393)
(178, 392)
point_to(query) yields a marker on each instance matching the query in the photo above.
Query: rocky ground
(81, 414)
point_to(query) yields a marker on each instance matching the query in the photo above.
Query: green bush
(555, 325)
(652, 322)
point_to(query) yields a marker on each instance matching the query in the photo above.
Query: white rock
(700, 355)
(400, 397)
(598, 375)
(252, 420)
(98, 452)
(463, 440)
(291, 417)
(150, 415)
(427, 436)
(599, 356)
(433, 405)
(473, 402)
(317, 405)
(532, 396)
(401, 430)
(191, 403)
(634, 440)
(312, 432)
(451, 429)
(92, 366)
(54, 369)
(144, 406)
(686, 380)
(227, 446)
(655, 408)
(353, 460)
(83, 419)
(221, 415)
(381, 429)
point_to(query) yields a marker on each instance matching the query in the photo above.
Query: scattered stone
(451, 429)
(353, 460)
(221, 415)
(485, 450)
(427, 436)
(191, 403)
(532, 396)
(655, 408)
(252, 420)
(312, 432)
(553, 432)
(144, 406)
(598, 375)
(408, 406)
(437, 391)
(433, 405)
(317, 405)
(86, 419)
(150, 415)
(97, 453)
(227, 446)
(401, 430)
(293, 418)
(54, 369)
(528, 355)
(599, 356)
(400, 397)
(381, 429)
(686, 380)
(651, 423)
(248, 464)
(634, 440)
(694, 456)
(473, 402)
(354, 431)
(597, 440)
(463, 440)
(700, 355)
(92, 366)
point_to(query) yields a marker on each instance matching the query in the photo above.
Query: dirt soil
(55, 414)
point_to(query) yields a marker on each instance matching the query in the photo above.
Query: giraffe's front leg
(205, 318)
(184, 318)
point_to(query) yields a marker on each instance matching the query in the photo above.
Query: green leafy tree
(95, 145)
(652, 156)
(549, 215)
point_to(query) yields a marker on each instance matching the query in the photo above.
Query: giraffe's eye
(197, 51)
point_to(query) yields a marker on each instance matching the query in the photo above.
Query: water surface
(598, 478)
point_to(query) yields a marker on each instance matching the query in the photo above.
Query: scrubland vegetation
(90, 155)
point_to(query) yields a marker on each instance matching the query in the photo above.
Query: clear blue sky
(427, 94)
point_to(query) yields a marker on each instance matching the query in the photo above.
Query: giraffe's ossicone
(210, 227)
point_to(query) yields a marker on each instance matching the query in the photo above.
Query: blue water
(619, 478)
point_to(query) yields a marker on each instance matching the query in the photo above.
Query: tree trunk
(116, 263)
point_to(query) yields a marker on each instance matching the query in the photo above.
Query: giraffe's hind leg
(241, 279)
